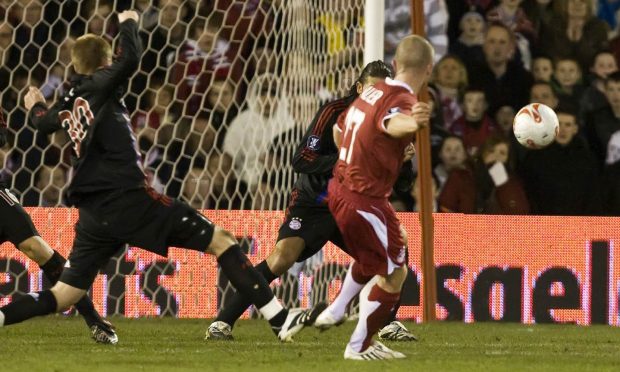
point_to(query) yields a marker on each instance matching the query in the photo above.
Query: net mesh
(224, 91)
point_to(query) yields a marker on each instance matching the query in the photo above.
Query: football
(535, 126)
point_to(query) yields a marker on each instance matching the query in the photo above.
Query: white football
(535, 126)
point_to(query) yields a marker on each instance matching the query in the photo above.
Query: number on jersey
(77, 123)
(353, 121)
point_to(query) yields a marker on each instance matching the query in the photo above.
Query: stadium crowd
(217, 111)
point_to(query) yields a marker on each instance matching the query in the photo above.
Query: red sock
(375, 307)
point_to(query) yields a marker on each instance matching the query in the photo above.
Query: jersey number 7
(353, 121)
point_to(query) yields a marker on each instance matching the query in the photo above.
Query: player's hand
(33, 97)
(128, 14)
(409, 152)
(421, 113)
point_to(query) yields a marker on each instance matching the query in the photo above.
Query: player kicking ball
(108, 188)
(17, 228)
(308, 223)
(376, 129)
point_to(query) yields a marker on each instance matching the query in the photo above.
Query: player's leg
(303, 233)
(51, 263)
(353, 283)
(279, 260)
(89, 253)
(395, 330)
(376, 301)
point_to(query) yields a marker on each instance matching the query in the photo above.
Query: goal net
(223, 94)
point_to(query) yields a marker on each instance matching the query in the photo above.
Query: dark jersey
(317, 153)
(92, 112)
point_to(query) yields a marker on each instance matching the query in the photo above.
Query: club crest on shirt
(314, 143)
(295, 223)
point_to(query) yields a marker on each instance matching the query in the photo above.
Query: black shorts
(15, 224)
(315, 225)
(141, 218)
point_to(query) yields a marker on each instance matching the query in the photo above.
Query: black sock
(248, 282)
(29, 306)
(52, 270)
(238, 303)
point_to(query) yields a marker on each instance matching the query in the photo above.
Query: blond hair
(414, 52)
(89, 53)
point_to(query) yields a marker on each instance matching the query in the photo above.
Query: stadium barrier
(525, 269)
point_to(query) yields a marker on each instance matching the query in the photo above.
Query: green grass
(59, 344)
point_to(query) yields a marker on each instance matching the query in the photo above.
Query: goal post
(423, 151)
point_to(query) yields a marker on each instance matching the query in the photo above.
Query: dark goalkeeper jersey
(92, 112)
(316, 155)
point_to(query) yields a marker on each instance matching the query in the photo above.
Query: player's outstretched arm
(402, 125)
(42, 118)
(130, 51)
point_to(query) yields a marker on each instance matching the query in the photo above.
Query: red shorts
(370, 229)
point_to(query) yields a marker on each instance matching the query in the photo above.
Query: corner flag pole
(423, 144)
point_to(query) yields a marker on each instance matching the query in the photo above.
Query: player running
(376, 129)
(17, 228)
(108, 187)
(308, 224)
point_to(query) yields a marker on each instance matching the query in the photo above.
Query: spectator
(450, 79)
(542, 69)
(251, 133)
(468, 47)
(457, 8)
(416, 194)
(398, 25)
(489, 187)
(145, 123)
(605, 121)
(162, 42)
(148, 14)
(213, 188)
(510, 13)
(593, 98)
(562, 179)
(49, 182)
(568, 78)
(543, 92)
(540, 12)
(452, 155)
(222, 108)
(574, 32)
(505, 81)
(205, 56)
(475, 125)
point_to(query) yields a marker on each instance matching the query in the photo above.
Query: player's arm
(307, 158)
(401, 125)
(44, 119)
(130, 51)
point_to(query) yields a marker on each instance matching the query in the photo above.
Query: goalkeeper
(308, 224)
(17, 228)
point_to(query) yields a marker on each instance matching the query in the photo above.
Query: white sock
(1, 319)
(366, 308)
(350, 288)
(272, 308)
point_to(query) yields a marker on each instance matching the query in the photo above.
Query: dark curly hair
(376, 69)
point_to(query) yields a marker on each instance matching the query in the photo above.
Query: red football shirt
(370, 159)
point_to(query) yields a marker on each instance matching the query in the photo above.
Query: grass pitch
(59, 344)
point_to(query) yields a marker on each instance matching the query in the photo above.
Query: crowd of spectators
(226, 88)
